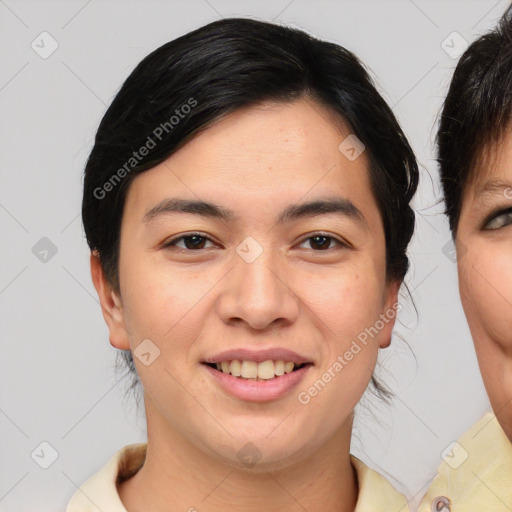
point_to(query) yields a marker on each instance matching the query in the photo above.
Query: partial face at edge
(484, 245)
(194, 298)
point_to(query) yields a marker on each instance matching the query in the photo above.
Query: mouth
(257, 371)
(256, 376)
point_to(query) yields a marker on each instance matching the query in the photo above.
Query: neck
(177, 473)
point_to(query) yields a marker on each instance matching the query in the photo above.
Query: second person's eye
(499, 220)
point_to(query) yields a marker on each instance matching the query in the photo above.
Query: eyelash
(495, 216)
(172, 242)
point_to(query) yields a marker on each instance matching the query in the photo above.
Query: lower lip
(258, 390)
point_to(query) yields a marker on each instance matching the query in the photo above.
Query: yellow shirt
(476, 473)
(99, 493)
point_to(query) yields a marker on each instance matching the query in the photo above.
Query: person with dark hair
(247, 207)
(475, 158)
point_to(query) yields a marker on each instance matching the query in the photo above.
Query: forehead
(297, 130)
(259, 158)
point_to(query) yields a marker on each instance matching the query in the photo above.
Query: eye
(499, 220)
(197, 241)
(193, 241)
(322, 241)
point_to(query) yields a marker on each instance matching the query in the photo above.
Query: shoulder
(476, 472)
(99, 493)
(375, 492)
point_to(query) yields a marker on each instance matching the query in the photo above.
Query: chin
(261, 455)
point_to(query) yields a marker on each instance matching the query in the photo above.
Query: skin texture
(296, 294)
(485, 274)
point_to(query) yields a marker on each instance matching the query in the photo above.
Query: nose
(257, 293)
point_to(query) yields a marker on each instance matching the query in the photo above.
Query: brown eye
(192, 242)
(322, 242)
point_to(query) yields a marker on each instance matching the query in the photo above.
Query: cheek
(346, 308)
(486, 292)
(351, 305)
(162, 305)
(348, 303)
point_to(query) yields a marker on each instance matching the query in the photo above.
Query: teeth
(236, 368)
(265, 370)
(288, 367)
(249, 369)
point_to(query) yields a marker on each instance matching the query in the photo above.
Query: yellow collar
(476, 472)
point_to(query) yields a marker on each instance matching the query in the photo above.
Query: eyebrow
(493, 187)
(322, 206)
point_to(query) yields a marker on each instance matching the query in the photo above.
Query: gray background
(58, 383)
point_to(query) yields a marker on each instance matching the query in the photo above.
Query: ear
(111, 305)
(389, 313)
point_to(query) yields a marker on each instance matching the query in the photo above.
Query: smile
(254, 388)
(252, 370)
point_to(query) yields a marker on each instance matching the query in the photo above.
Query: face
(484, 246)
(257, 245)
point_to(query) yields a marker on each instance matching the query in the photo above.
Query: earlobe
(111, 305)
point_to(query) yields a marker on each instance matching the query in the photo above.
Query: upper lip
(258, 356)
